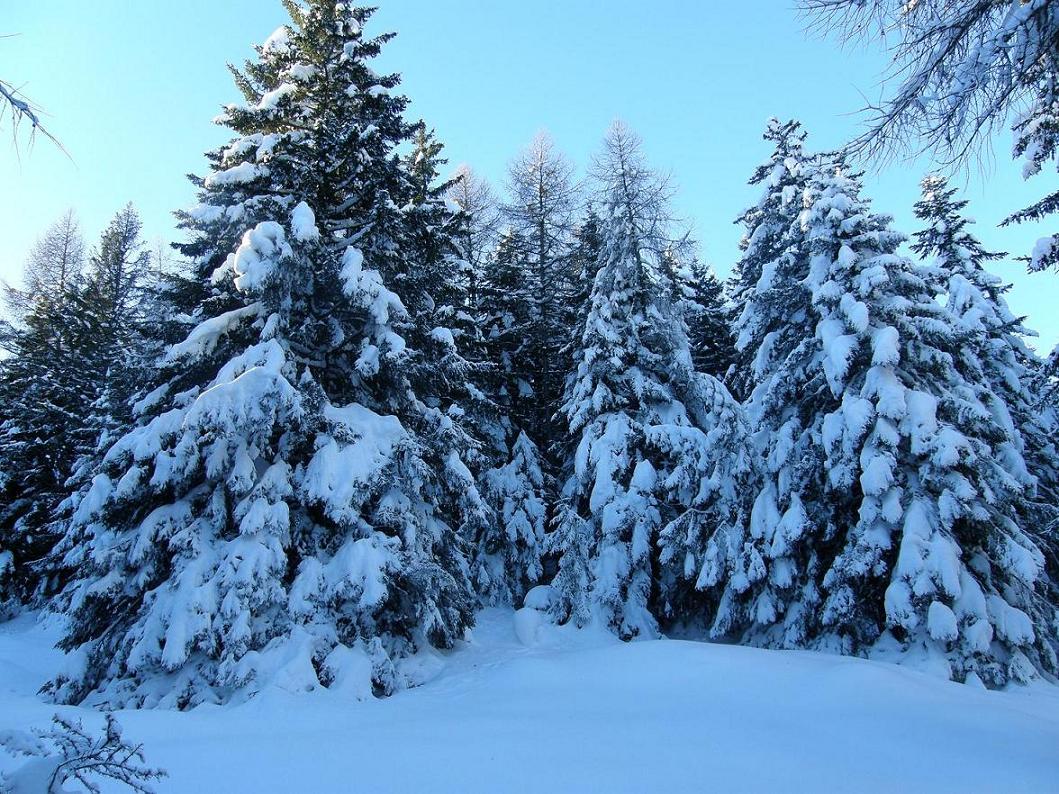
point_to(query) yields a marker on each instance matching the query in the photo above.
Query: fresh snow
(301, 72)
(1042, 252)
(303, 223)
(205, 336)
(236, 175)
(271, 99)
(278, 43)
(258, 256)
(579, 711)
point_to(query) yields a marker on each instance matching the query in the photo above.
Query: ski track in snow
(580, 711)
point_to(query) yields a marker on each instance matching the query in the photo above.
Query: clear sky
(131, 88)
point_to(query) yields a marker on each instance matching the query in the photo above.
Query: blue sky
(131, 89)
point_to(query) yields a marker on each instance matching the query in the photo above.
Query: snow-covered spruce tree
(706, 312)
(286, 509)
(507, 317)
(40, 408)
(53, 370)
(584, 259)
(764, 284)
(541, 211)
(440, 282)
(524, 301)
(119, 266)
(757, 573)
(458, 375)
(708, 486)
(627, 409)
(912, 546)
(508, 558)
(976, 297)
(75, 361)
(996, 352)
(121, 288)
(507, 562)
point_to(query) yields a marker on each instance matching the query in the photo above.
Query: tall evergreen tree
(120, 267)
(995, 353)
(765, 280)
(707, 314)
(286, 509)
(457, 350)
(508, 557)
(507, 320)
(122, 286)
(543, 202)
(584, 259)
(48, 380)
(887, 518)
(73, 366)
(940, 474)
(631, 409)
(776, 371)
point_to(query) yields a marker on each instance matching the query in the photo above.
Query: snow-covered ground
(579, 711)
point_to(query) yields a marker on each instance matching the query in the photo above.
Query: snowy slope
(579, 711)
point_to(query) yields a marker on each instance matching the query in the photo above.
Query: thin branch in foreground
(23, 111)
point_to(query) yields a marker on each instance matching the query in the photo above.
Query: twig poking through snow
(65, 752)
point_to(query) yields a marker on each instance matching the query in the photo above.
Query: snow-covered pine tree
(130, 379)
(976, 297)
(706, 312)
(627, 408)
(775, 369)
(762, 296)
(712, 475)
(886, 514)
(754, 572)
(53, 369)
(121, 287)
(285, 511)
(76, 359)
(541, 211)
(507, 317)
(584, 259)
(119, 267)
(923, 475)
(524, 301)
(996, 353)
(507, 560)
(457, 365)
